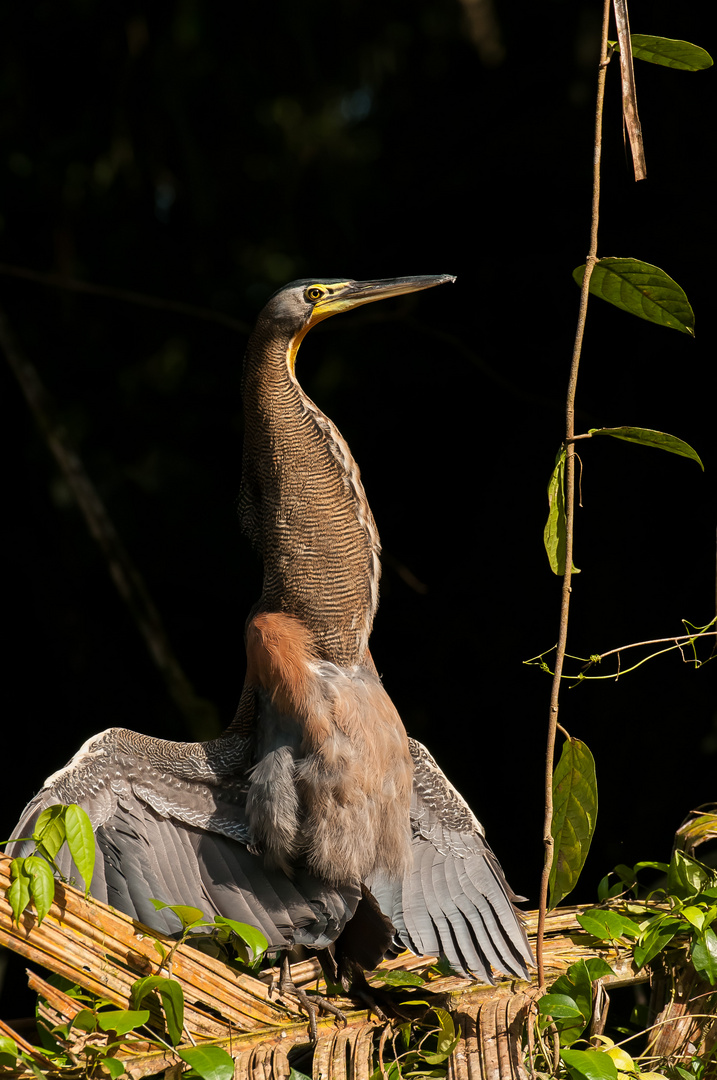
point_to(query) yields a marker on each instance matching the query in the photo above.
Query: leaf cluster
(679, 913)
(33, 876)
(99, 1029)
(676, 916)
(568, 1004)
(226, 937)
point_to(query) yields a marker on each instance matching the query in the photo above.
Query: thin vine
(590, 262)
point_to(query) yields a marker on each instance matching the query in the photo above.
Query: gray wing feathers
(177, 833)
(172, 827)
(456, 901)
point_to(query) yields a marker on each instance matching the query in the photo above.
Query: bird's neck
(304, 507)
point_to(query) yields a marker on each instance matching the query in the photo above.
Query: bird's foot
(367, 997)
(311, 1005)
(379, 1000)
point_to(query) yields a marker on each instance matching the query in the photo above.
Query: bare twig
(676, 638)
(200, 714)
(629, 92)
(59, 281)
(675, 641)
(570, 496)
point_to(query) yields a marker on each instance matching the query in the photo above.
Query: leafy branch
(680, 915)
(646, 291)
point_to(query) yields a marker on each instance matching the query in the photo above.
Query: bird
(313, 816)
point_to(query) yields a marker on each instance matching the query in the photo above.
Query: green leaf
(85, 1020)
(686, 877)
(447, 1035)
(49, 832)
(663, 867)
(122, 1020)
(81, 842)
(597, 968)
(42, 885)
(694, 915)
(393, 1071)
(248, 934)
(555, 527)
(210, 1062)
(172, 1001)
(574, 816)
(576, 985)
(605, 889)
(555, 531)
(589, 1064)
(626, 874)
(188, 916)
(8, 1046)
(294, 1074)
(659, 440)
(704, 955)
(398, 978)
(18, 895)
(641, 289)
(559, 1006)
(669, 52)
(653, 943)
(440, 1056)
(709, 916)
(114, 1066)
(608, 925)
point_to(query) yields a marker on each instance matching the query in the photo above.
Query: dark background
(208, 153)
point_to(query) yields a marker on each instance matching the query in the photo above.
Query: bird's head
(302, 304)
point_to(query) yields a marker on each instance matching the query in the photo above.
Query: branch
(570, 497)
(676, 642)
(629, 92)
(199, 714)
(702, 632)
(59, 281)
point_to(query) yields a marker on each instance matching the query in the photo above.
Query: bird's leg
(368, 996)
(310, 1004)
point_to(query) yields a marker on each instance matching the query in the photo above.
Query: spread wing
(456, 902)
(169, 825)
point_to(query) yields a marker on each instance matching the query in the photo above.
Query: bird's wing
(456, 902)
(169, 825)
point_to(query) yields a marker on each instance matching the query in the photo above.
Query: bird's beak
(344, 295)
(355, 293)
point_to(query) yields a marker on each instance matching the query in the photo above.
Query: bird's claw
(311, 1005)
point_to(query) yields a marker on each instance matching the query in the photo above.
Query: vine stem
(570, 500)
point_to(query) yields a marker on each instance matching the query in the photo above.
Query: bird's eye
(314, 293)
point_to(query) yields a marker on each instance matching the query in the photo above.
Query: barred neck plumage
(303, 505)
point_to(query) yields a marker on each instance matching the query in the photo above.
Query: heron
(314, 816)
